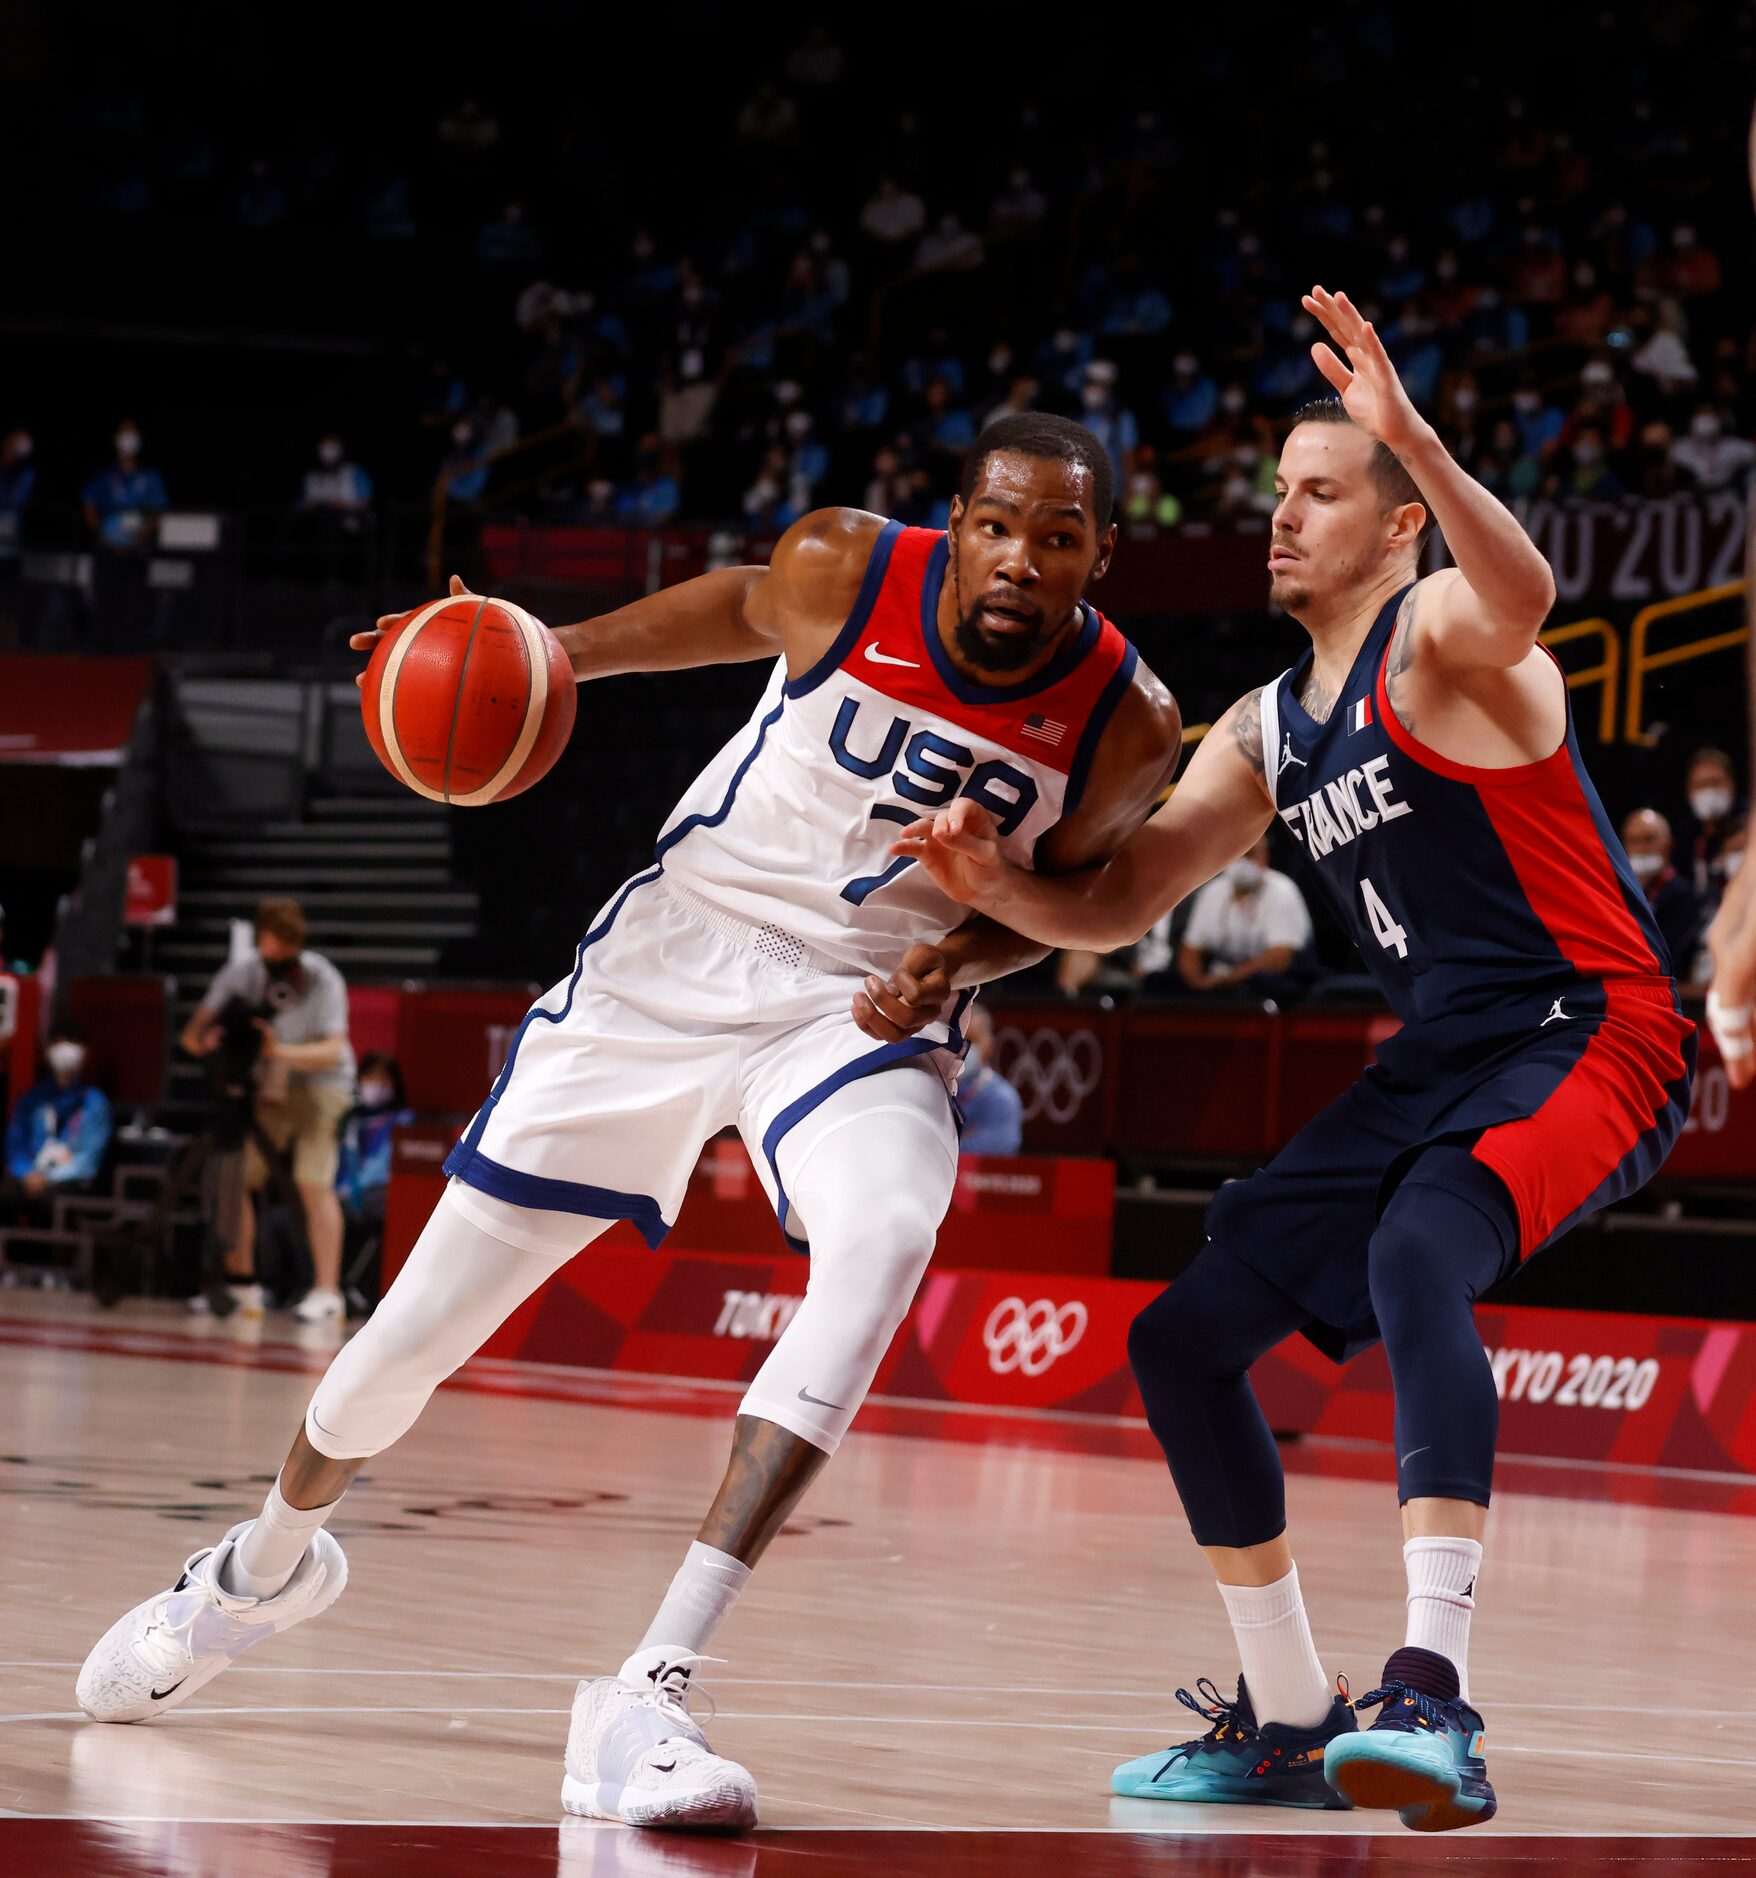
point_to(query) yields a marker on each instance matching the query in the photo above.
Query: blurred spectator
(1654, 472)
(601, 410)
(362, 1172)
(58, 1134)
(893, 214)
(947, 428)
(1664, 358)
(18, 479)
(1676, 906)
(1716, 813)
(1017, 211)
(1588, 476)
(336, 486)
(509, 240)
(1601, 406)
(1589, 313)
(1245, 930)
(1538, 274)
(469, 131)
(1148, 506)
(1539, 422)
(1191, 400)
(124, 500)
(1021, 396)
(464, 473)
(1707, 457)
(1688, 269)
(1109, 420)
(768, 505)
(769, 119)
(261, 202)
(653, 497)
(950, 246)
(993, 1111)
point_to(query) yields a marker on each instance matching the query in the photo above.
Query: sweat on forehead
(1034, 482)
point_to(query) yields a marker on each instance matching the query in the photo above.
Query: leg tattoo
(768, 1473)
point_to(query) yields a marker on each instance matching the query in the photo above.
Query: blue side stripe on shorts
(795, 1112)
(566, 1196)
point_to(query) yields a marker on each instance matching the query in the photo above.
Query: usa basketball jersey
(791, 823)
(1463, 888)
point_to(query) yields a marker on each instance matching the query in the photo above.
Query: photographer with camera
(276, 1026)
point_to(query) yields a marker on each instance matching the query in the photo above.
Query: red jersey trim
(1417, 752)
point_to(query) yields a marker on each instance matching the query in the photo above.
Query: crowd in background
(834, 312)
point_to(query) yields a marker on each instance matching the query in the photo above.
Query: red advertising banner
(1017, 1215)
(1638, 1392)
(150, 895)
(452, 1041)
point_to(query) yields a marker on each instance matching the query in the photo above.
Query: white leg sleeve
(870, 1185)
(465, 1277)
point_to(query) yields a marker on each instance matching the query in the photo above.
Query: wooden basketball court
(935, 1668)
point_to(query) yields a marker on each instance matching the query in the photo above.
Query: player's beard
(1289, 593)
(994, 652)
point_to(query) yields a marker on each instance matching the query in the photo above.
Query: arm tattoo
(1247, 731)
(1400, 658)
(769, 1470)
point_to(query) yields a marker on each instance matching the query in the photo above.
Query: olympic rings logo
(1029, 1337)
(1052, 1070)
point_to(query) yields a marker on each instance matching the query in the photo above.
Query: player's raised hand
(1367, 382)
(367, 642)
(959, 847)
(908, 1000)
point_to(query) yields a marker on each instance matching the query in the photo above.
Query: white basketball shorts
(677, 1020)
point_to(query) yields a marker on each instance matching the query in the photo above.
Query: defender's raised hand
(367, 642)
(960, 848)
(1367, 383)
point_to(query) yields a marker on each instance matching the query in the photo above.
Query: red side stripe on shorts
(1554, 1160)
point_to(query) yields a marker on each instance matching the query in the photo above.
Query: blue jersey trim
(845, 640)
(690, 823)
(1076, 647)
(868, 1065)
(468, 1146)
(1102, 712)
(563, 1196)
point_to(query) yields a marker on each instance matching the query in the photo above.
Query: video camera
(231, 1067)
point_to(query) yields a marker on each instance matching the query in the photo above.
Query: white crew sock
(1441, 1595)
(262, 1561)
(702, 1593)
(1281, 1670)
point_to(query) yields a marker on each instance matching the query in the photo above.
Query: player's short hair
(1040, 433)
(1395, 485)
(285, 919)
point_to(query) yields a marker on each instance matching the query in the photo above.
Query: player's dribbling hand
(388, 622)
(908, 1000)
(1368, 385)
(959, 847)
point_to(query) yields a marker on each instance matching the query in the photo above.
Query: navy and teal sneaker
(1240, 1761)
(1423, 1755)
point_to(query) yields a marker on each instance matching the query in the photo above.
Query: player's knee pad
(459, 1285)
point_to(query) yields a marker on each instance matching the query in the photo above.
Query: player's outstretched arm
(1488, 610)
(1216, 813)
(730, 616)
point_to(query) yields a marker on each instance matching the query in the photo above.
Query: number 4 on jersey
(1390, 936)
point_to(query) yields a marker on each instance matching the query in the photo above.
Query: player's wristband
(1730, 1024)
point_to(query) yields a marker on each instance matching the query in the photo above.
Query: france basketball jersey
(790, 824)
(1462, 887)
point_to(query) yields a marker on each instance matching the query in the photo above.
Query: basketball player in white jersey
(774, 968)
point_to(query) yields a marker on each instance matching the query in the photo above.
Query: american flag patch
(1047, 730)
(1359, 715)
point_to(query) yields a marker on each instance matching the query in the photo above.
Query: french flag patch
(1047, 730)
(1359, 715)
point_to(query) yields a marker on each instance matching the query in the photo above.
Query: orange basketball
(469, 702)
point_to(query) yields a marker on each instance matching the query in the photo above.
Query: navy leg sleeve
(1190, 1350)
(1449, 1232)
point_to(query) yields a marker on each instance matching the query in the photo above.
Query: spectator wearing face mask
(1539, 422)
(124, 500)
(335, 486)
(1676, 906)
(1707, 457)
(1716, 813)
(18, 481)
(1109, 419)
(1245, 930)
(362, 1174)
(304, 1086)
(57, 1137)
(1191, 399)
(993, 1111)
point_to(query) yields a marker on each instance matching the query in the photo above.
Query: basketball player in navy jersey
(777, 969)
(1422, 755)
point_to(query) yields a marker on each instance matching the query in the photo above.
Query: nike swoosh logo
(884, 658)
(1410, 1455)
(805, 1395)
(158, 1695)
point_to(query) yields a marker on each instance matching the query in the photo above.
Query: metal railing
(1642, 662)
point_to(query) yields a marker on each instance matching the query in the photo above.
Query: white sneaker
(165, 1649)
(634, 1754)
(320, 1307)
(249, 1299)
